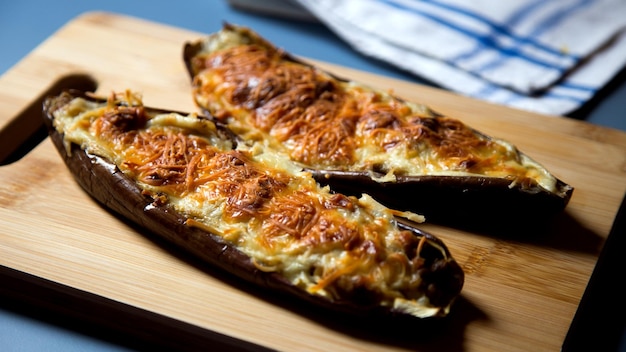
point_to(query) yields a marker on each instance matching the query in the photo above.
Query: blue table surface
(25, 24)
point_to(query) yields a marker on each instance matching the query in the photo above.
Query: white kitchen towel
(547, 56)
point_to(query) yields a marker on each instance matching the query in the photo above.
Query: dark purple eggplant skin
(462, 201)
(475, 201)
(110, 187)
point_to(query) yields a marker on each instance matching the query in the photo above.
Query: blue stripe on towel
(558, 16)
(553, 96)
(515, 18)
(547, 24)
(485, 40)
(569, 91)
(578, 87)
(524, 12)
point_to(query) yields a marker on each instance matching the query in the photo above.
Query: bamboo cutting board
(58, 246)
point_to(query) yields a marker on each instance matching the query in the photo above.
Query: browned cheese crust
(359, 139)
(140, 171)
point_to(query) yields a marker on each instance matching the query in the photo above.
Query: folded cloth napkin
(546, 56)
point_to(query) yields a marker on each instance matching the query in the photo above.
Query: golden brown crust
(175, 163)
(322, 122)
(336, 128)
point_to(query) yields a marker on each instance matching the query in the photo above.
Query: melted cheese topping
(327, 244)
(326, 123)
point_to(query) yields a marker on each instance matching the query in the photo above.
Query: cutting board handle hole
(24, 132)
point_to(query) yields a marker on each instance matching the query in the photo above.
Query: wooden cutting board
(57, 245)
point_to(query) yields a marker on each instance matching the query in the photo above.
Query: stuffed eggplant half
(248, 210)
(358, 139)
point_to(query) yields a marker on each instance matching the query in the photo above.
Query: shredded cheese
(326, 123)
(260, 202)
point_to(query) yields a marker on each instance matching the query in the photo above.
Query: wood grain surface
(522, 287)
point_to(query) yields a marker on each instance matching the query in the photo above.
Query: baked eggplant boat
(358, 139)
(248, 210)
